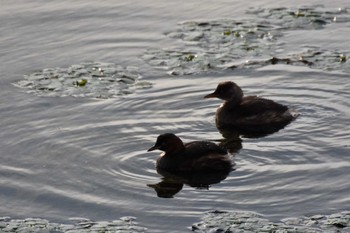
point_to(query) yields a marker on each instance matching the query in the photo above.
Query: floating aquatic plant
(325, 59)
(81, 82)
(88, 79)
(342, 58)
(309, 17)
(215, 45)
(240, 221)
(190, 57)
(180, 62)
(312, 57)
(82, 225)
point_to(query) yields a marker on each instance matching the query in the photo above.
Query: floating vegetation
(89, 79)
(313, 58)
(327, 60)
(190, 57)
(211, 44)
(219, 34)
(215, 45)
(81, 82)
(178, 62)
(81, 225)
(221, 221)
(215, 221)
(313, 17)
(342, 58)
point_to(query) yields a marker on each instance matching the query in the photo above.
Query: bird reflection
(231, 133)
(232, 144)
(167, 188)
(172, 183)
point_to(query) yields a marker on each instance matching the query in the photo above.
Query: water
(68, 157)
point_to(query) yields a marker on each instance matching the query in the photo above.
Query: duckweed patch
(89, 79)
(221, 221)
(216, 45)
(81, 225)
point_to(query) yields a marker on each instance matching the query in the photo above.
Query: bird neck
(233, 102)
(176, 148)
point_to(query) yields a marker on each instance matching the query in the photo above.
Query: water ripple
(103, 144)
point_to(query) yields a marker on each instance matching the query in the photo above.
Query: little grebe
(250, 115)
(197, 156)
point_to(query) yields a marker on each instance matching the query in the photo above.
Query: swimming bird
(196, 156)
(250, 116)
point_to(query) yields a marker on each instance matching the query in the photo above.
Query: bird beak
(153, 148)
(212, 95)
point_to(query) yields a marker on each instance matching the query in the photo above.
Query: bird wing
(253, 105)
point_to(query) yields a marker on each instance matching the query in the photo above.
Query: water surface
(68, 157)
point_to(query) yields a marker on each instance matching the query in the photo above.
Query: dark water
(84, 157)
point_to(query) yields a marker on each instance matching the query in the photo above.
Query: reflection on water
(172, 183)
(232, 144)
(80, 157)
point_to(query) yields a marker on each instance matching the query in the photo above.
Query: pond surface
(74, 156)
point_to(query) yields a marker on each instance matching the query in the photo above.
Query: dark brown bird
(197, 156)
(249, 116)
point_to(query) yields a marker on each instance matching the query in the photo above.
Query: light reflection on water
(95, 153)
(68, 157)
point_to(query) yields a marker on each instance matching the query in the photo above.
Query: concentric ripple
(302, 164)
(96, 151)
(86, 158)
